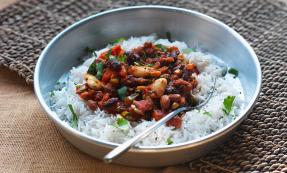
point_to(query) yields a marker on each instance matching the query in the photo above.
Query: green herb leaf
(169, 141)
(233, 71)
(150, 65)
(227, 104)
(121, 39)
(187, 50)
(112, 57)
(74, 122)
(122, 58)
(168, 36)
(122, 92)
(100, 69)
(109, 54)
(122, 122)
(156, 55)
(58, 83)
(161, 47)
(207, 113)
(92, 69)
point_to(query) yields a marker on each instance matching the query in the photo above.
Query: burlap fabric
(259, 145)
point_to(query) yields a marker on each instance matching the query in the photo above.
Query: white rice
(196, 124)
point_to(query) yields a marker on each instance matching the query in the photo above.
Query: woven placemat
(259, 145)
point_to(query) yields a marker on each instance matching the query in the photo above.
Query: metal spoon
(108, 158)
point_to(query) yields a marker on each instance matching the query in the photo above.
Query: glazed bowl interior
(193, 28)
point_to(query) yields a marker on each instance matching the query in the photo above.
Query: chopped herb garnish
(111, 57)
(52, 93)
(122, 122)
(74, 121)
(122, 92)
(227, 104)
(207, 113)
(233, 71)
(121, 39)
(109, 54)
(58, 83)
(149, 65)
(169, 141)
(161, 47)
(100, 69)
(123, 58)
(92, 69)
(187, 50)
(168, 36)
(156, 55)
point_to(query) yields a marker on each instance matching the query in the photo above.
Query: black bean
(115, 65)
(134, 81)
(107, 64)
(174, 53)
(170, 89)
(111, 102)
(132, 57)
(177, 67)
(186, 75)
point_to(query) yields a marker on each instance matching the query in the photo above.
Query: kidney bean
(164, 102)
(92, 104)
(112, 101)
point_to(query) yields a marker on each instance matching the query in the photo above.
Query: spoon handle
(128, 144)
